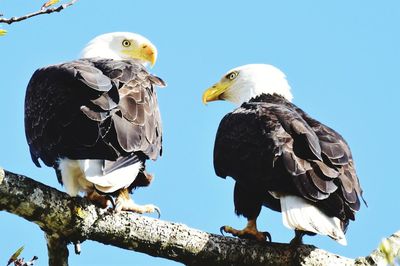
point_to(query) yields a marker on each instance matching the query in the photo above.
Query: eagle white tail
(111, 182)
(298, 214)
(81, 175)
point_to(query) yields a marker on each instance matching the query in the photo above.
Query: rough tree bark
(67, 220)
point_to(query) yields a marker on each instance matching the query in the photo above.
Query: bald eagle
(282, 158)
(96, 120)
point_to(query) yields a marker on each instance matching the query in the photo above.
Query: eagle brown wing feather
(270, 143)
(92, 109)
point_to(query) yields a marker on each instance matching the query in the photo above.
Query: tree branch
(57, 250)
(42, 11)
(65, 219)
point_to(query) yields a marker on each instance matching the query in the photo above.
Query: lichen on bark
(67, 220)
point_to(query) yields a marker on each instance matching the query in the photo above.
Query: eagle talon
(131, 206)
(267, 236)
(111, 200)
(118, 206)
(249, 232)
(156, 209)
(102, 201)
(222, 230)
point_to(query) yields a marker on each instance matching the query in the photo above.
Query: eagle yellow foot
(102, 201)
(124, 202)
(249, 232)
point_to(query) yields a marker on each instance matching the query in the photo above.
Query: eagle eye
(232, 75)
(126, 43)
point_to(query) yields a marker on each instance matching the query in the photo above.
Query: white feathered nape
(82, 175)
(298, 214)
(255, 79)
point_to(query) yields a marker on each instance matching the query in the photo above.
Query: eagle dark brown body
(94, 109)
(270, 145)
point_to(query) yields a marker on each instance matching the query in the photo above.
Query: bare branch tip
(42, 10)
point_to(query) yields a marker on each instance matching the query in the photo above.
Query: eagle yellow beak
(146, 52)
(149, 53)
(215, 92)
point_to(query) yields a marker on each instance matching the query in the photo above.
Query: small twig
(40, 12)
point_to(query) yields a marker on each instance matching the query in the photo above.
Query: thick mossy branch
(65, 220)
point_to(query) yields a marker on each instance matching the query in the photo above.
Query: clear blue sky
(342, 60)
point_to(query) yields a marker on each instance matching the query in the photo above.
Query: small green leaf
(3, 32)
(15, 256)
(50, 3)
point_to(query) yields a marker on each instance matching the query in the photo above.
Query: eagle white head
(242, 83)
(121, 45)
